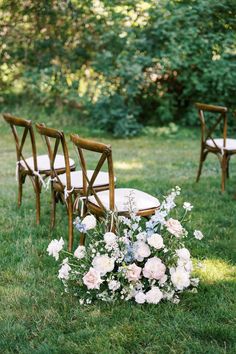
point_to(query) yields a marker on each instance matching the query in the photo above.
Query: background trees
(122, 63)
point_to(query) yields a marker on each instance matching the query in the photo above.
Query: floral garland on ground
(144, 261)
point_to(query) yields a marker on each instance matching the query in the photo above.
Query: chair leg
(19, 191)
(227, 170)
(70, 222)
(223, 172)
(202, 159)
(37, 193)
(53, 208)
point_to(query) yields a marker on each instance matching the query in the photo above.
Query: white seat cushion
(230, 143)
(43, 162)
(77, 179)
(140, 199)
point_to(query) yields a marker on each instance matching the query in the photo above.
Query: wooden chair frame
(88, 188)
(71, 195)
(57, 188)
(22, 172)
(206, 134)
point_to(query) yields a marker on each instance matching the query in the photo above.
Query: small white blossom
(194, 281)
(80, 252)
(140, 297)
(64, 270)
(187, 206)
(113, 285)
(198, 234)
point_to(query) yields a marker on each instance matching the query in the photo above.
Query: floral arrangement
(143, 261)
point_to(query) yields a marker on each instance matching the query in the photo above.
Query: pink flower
(133, 272)
(154, 268)
(174, 227)
(92, 279)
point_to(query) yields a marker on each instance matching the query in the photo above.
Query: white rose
(180, 278)
(154, 295)
(113, 285)
(55, 247)
(80, 252)
(89, 222)
(141, 250)
(156, 241)
(64, 270)
(110, 238)
(140, 297)
(92, 279)
(133, 272)
(198, 234)
(174, 227)
(154, 269)
(183, 254)
(103, 264)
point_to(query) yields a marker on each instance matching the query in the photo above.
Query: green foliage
(127, 63)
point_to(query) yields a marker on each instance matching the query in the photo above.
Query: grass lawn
(37, 317)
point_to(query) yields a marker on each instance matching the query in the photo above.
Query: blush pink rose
(92, 279)
(133, 272)
(174, 227)
(154, 268)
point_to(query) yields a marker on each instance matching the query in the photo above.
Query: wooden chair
(37, 167)
(67, 187)
(219, 145)
(114, 199)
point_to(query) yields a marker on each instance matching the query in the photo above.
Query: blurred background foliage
(122, 64)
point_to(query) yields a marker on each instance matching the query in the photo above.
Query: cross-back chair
(118, 200)
(67, 187)
(37, 167)
(213, 142)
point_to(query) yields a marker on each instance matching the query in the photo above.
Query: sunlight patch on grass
(121, 165)
(215, 270)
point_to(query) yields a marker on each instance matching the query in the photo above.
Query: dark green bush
(126, 63)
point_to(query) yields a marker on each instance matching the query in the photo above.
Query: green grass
(37, 317)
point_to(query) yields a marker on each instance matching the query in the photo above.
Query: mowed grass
(36, 316)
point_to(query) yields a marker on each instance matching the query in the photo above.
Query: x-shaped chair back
(58, 140)
(26, 125)
(105, 153)
(208, 129)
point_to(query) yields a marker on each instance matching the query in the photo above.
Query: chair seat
(230, 144)
(43, 163)
(141, 200)
(77, 179)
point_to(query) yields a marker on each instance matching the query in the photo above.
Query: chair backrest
(105, 157)
(208, 129)
(52, 147)
(26, 125)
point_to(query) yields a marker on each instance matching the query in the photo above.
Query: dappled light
(215, 270)
(129, 165)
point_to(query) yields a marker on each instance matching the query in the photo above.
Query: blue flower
(79, 225)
